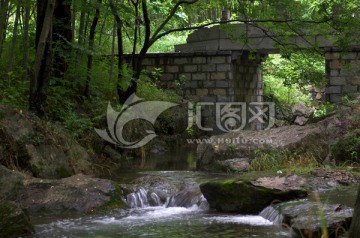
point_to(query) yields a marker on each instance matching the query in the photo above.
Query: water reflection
(169, 160)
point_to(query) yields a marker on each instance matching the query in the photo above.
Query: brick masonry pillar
(248, 81)
(343, 74)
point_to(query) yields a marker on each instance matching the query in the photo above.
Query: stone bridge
(217, 68)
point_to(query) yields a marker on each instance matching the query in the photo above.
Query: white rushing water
(148, 222)
(248, 220)
(185, 214)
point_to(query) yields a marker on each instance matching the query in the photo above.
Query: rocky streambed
(295, 205)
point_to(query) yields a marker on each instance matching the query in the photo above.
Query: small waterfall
(138, 199)
(188, 198)
(185, 198)
(272, 214)
(154, 199)
(143, 198)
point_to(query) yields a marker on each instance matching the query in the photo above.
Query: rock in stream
(247, 197)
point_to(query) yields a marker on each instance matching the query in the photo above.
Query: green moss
(115, 199)
(14, 222)
(2, 115)
(63, 172)
(348, 148)
(229, 181)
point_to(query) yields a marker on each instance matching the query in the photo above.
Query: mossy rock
(11, 185)
(40, 147)
(116, 200)
(245, 197)
(76, 194)
(14, 221)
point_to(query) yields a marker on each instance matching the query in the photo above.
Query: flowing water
(184, 215)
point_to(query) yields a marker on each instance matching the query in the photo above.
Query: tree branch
(172, 13)
(302, 37)
(246, 21)
(146, 44)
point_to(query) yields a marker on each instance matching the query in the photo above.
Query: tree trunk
(81, 34)
(121, 93)
(43, 57)
(355, 224)
(87, 22)
(13, 41)
(135, 40)
(146, 44)
(111, 73)
(62, 36)
(26, 40)
(102, 31)
(4, 7)
(73, 21)
(91, 48)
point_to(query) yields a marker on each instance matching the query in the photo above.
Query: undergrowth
(283, 159)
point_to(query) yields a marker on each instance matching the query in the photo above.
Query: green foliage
(283, 160)
(67, 105)
(77, 125)
(150, 91)
(230, 149)
(348, 148)
(14, 92)
(287, 80)
(190, 131)
(166, 43)
(180, 85)
(324, 109)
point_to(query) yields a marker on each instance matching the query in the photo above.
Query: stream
(161, 220)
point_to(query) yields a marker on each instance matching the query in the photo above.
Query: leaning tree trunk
(355, 224)
(62, 37)
(91, 48)
(43, 57)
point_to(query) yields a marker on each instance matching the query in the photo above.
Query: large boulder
(236, 165)
(246, 144)
(188, 198)
(248, 197)
(79, 193)
(11, 185)
(311, 219)
(302, 114)
(14, 221)
(39, 147)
